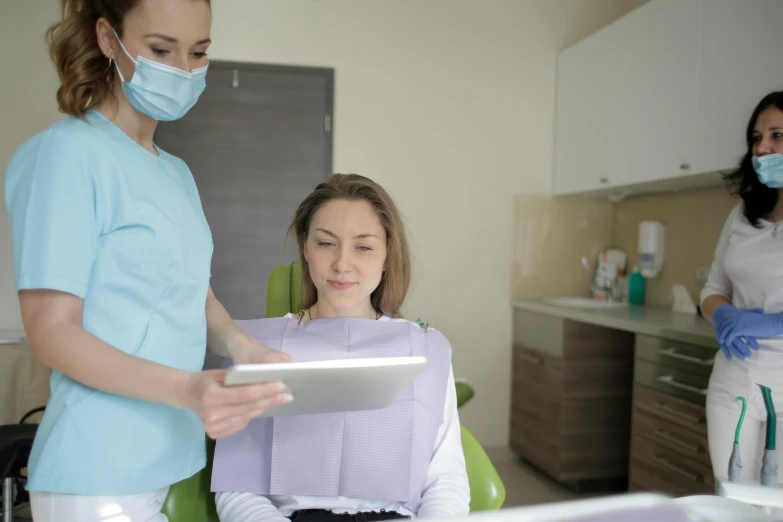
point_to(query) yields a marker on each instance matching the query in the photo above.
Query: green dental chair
(191, 499)
(464, 392)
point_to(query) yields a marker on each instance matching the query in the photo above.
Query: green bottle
(636, 287)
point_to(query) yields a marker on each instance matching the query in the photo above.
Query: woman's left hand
(247, 350)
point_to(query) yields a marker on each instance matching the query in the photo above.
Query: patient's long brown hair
(393, 288)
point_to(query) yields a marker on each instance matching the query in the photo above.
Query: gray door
(258, 141)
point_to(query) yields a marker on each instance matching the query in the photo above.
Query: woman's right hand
(732, 332)
(741, 347)
(224, 410)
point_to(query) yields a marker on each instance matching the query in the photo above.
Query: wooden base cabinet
(571, 399)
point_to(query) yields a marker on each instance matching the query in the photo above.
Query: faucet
(609, 290)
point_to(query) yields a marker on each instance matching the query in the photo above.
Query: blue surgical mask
(769, 169)
(162, 92)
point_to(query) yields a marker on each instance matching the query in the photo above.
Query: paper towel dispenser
(651, 241)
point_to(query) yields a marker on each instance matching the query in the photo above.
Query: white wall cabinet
(661, 97)
(582, 124)
(741, 60)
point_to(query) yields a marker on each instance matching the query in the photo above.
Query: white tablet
(333, 386)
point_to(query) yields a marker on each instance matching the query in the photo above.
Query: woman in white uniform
(112, 257)
(744, 297)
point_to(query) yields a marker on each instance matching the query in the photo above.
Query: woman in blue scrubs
(112, 257)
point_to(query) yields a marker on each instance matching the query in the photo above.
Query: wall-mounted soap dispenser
(651, 241)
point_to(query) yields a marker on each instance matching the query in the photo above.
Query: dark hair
(393, 288)
(759, 200)
(86, 75)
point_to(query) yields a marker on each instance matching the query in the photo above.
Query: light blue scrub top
(96, 215)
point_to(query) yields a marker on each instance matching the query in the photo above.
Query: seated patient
(404, 461)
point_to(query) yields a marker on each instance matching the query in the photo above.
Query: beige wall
(448, 103)
(436, 99)
(27, 105)
(693, 221)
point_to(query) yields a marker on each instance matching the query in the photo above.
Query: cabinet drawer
(573, 415)
(676, 411)
(567, 457)
(537, 370)
(671, 436)
(656, 468)
(598, 378)
(686, 385)
(528, 402)
(680, 356)
(642, 478)
(536, 442)
(542, 332)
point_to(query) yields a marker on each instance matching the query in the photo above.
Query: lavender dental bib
(379, 454)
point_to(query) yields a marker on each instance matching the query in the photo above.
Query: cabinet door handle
(678, 413)
(674, 440)
(530, 358)
(664, 463)
(669, 379)
(671, 352)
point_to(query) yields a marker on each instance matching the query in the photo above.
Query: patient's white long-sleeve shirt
(446, 491)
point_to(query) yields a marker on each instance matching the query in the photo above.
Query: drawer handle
(664, 463)
(674, 440)
(678, 413)
(530, 358)
(671, 352)
(669, 379)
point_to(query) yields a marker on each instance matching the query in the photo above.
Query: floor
(525, 485)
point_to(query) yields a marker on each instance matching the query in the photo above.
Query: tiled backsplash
(693, 220)
(551, 235)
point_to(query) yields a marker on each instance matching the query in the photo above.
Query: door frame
(326, 73)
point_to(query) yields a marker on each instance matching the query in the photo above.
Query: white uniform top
(748, 271)
(446, 491)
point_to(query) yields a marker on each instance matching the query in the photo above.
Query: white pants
(730, 379)
(59, 507)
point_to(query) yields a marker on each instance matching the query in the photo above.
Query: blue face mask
(162, 92)
(769, 169)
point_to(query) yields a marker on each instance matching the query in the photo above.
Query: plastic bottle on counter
(636, 284)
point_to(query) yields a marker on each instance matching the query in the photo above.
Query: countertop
(647, 320)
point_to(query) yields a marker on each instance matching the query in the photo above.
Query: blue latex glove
(740, 347)
(732, 323)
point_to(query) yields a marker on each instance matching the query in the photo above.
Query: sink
(583, 302)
